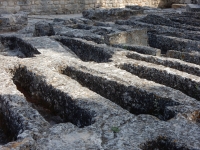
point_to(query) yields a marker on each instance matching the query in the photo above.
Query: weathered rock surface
(188, 57)
(193, 7)
(13, 22)
(64, 86)
(140, 49)
(136, 36)
(110, 14)
(43, 28)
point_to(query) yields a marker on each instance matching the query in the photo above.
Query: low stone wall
(70, 6)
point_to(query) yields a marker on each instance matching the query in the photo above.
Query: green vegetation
(115, 129)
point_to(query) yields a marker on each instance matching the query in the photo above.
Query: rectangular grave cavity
(163, 143)
(166, 43)
(193, 57)
(54, 105)
(86, 51)
(169, 78)
(172, 63)
(13, 46)
(134, 99)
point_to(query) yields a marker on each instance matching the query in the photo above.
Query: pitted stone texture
(193, 8)
(140, 49)
(176, 6)
(183, 31)
(158, 19)
(22, 121)
(13, 46)
(168, 42)
(167, 76)
(101, 135)
(136, 36)
(13, 22)
(43, 29)
(49, 7)
(68, 75)
(193, 57)
(168, 62)
(110, 14)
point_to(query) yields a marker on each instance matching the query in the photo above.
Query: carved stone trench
(76, 85)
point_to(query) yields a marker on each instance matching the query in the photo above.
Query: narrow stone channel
(36, 103)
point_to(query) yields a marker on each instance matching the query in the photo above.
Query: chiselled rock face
(81, 83)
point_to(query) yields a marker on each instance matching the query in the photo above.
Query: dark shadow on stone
(162, 143)
(86, 51)
(54, 105)
(6, 133)
(166, 3)
(37, 104)
(13, 46)
(164, 77)
(43, 28)
(131, 98)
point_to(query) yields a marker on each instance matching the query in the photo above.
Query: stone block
(43, 28)
(175, 6)
(193, 8)
(136, 36)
